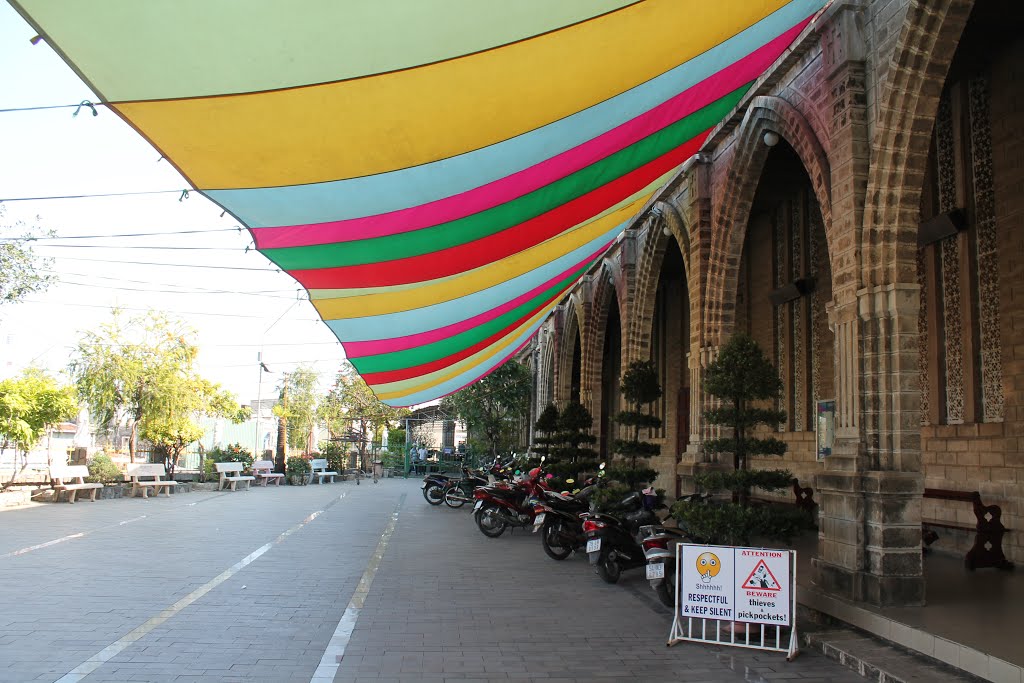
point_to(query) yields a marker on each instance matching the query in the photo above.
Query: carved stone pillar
(870, 547)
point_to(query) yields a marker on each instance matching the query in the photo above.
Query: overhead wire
(48, 238)
(170, 265)
(136, 308)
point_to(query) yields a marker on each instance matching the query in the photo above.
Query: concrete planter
(298, 479)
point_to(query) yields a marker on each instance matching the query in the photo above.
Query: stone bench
(145, 476)
(71, 478)
(320, 470)
(264, 472)
(231, 475)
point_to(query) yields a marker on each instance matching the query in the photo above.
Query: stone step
(879, 661)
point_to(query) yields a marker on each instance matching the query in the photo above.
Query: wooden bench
(149, 475)
(987, 550)
(231, 474)
(264, 472)
(803, 498)
(71, 478)
(320, 470)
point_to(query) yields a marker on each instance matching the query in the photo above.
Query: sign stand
(754, 588)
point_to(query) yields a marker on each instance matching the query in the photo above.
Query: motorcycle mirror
(570, 481)
(543, 458)
(601, 466)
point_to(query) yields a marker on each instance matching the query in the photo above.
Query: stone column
(870, 492)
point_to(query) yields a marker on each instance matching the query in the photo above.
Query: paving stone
(446, 604)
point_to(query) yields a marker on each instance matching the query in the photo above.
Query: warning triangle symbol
(762, 579)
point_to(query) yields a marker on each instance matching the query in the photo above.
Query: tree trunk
(282, 444)
(131, 440)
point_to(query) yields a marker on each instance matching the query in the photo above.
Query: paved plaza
(334, 582)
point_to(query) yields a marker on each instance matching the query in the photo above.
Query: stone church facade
(861, 215)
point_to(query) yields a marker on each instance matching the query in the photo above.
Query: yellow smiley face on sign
(708, 564)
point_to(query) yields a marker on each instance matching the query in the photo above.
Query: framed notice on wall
(825, 427)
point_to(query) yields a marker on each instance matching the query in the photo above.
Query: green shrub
(233, 453)
(335, 454)
(729, 524)
(103, 470)
(296, 466)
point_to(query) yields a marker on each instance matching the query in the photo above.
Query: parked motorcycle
(501, 505)
(558, 515)
(661, 546)
(435, 484)
(612, 545)
(458, 492)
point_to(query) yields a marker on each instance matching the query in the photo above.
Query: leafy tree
(298, 406)
(31, 404)
(743, 379)
(495, 406)
(352, 411)
(142, 370)
(21, 270)
(640, 388)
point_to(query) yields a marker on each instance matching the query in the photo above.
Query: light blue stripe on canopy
(372, 195)
(449, 312)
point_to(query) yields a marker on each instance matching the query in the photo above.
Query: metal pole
(258, 451)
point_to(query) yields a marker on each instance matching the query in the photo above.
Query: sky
(211, 277)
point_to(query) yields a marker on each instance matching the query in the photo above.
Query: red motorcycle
(501, 506)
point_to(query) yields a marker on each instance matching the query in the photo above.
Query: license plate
(656, 570)
(538, 521)
(593, 545)
(479, 504)
(423, 485)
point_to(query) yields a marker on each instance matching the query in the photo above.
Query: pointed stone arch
(764, 114)
(907, 109)
(570, 334)
(651, 255)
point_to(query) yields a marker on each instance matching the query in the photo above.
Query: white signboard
(706, 589)
(735, 584)
(763, 591)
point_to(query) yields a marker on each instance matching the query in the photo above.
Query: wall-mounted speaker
(940, 227)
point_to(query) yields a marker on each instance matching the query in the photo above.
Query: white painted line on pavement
(135, 519)
(42, 545)
(81, 534)
(104, 655)
(328, 666)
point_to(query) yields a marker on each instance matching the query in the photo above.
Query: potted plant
(297, 470)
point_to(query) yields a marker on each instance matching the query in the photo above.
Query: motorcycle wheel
(449, 497)
(607, 568)
(489, 523)
(433, 494)
(552, 543)
(666, 591)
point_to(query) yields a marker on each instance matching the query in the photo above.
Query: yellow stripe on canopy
(407, 118)
(479, 278)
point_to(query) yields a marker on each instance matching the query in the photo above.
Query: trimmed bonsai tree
(629, 471)
(745, 382)
(564, 440)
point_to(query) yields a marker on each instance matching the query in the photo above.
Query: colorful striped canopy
(435, 174)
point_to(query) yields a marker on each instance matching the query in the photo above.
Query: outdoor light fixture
(792, 291)
(666, 231)
(771, 138)
(940, 227)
